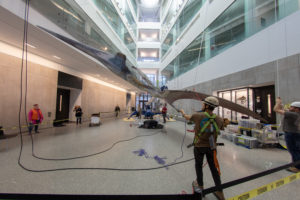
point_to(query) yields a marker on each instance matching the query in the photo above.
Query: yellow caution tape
(171, 120)
(245, 128)
(283, 146)
(128, 120)
(266, 188)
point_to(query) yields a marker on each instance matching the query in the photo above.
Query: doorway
(264, 101)
(62, 106)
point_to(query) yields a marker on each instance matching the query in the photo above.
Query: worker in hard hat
(207, 128)
(291, 128)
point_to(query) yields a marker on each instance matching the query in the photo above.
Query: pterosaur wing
(116, 63)
(172, 95)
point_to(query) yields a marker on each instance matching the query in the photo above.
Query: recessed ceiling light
(30, 45)
(149, 3)
(57, 57)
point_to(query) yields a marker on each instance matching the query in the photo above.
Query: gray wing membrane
(173, 95)
(117, 64)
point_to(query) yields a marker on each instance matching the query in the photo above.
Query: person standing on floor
(164, 112)
(291, 128)
(35, 117)
(117, 111)
(207, 127)
(78, 114)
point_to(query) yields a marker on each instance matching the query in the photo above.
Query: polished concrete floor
(152, 150)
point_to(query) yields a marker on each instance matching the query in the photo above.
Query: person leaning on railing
(291, 128)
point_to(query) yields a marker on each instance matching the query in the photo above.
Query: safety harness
(211, 120)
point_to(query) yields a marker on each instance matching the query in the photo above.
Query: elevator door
(62, 105)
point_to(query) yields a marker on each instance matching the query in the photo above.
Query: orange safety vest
(35, 114)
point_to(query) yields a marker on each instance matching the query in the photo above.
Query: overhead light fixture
(153, 54)
(30, 45)
(154, 36)
(149, 4)
(57, 57)
(143, 36)
(148, 60)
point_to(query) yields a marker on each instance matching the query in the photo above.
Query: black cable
(26, 70)
(21, 83)
(102, 168)
(181, 144)
(93, 154)
(24, 50)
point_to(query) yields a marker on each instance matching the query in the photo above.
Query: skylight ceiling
(149, 10)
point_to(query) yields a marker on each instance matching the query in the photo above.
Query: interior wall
(75, 99)
(283, 73)
(98, 98)
(41, 89)
(275, 42)
(132, 102)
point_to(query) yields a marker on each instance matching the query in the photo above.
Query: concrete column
(249, 5)
(87, 28)
(286, 7)
(207, 45)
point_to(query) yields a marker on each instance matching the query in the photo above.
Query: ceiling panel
(47, 46)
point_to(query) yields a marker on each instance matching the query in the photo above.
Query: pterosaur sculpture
(117, 64)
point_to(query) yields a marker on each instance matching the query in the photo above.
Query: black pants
(36, 127)
(199, 153)
(78, 120)
(164, 116)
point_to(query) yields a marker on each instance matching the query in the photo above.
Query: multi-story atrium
(245, 52)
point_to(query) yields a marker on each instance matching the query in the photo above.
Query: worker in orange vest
(35, 117)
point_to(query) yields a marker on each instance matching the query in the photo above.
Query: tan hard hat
(212, 101)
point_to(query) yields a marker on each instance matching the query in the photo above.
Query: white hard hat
(212, 101)
(296, 104)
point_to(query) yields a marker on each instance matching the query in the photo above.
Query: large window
(239, 21)
(111, 15)
(142, 100)
(243, 97)
(189, 11)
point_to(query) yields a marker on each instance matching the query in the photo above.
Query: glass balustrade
(239, 21)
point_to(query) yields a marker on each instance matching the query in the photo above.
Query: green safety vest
(211, 120)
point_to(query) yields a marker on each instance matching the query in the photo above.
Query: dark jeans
(164, 116)
(31, 125)
(78, 120)
(199, 153)
(293, 145)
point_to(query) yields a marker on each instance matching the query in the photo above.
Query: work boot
(196, 187)
(219, 195)
(293, 169)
